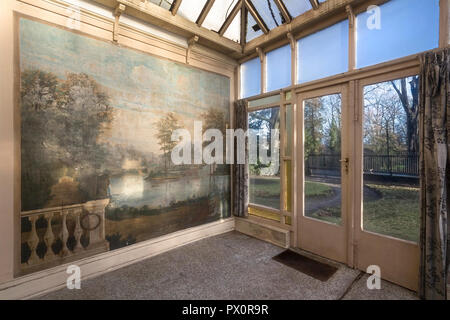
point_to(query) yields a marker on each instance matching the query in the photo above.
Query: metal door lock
(346, 163)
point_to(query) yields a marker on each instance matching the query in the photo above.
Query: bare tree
(411, 107)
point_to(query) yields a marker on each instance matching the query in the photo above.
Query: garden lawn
(396, 214)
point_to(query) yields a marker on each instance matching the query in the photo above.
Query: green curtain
(240, 171)
(435, 173)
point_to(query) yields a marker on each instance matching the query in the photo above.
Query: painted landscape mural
(96, 123)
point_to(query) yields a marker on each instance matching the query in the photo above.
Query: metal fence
(393, 165)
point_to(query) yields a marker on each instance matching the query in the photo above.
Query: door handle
(346, 163)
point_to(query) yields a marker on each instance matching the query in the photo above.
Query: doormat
(310, 267)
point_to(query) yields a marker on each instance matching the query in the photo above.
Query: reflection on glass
(289, 131)
(391, 159)
(287, 186)
(265, 187)
(322, 138)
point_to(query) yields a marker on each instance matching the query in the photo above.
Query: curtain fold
(240, 171)
(435, 173)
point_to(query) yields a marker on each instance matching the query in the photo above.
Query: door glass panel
(264, 157)
(322, 147)
(391, 159)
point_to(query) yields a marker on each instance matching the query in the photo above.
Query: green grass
(315, 189)
(266, 192)
(396, 214)
(332, 215)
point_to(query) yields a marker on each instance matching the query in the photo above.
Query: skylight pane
(253, 30)
(234, 30)
(297, 7)
(218, 13)
(166, 4)
(405, 27)
(269, 12)
(314, 58)
(251, 78)
(191, 9)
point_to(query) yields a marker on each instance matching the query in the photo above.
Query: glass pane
(218, 13)
(234, 29)
(322, 136)
(264, 157)
(190, 9)
(297, 7)
(324, 53)
(251, 78)
(388, 34)
(288, 95)
(253, 30)
(278, 65)
(391, 159)
(264, 101)
(287, 186)
(289, 132)
(269, 12)
(166, 4)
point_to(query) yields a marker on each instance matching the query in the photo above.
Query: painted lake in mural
(96, 125)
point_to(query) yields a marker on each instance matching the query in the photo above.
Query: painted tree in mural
(166, 126)
(214, 119)
(61, 123)
(39, 94)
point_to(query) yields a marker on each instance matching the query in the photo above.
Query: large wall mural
(96, 122)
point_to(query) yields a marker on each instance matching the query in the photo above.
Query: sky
(142, 88)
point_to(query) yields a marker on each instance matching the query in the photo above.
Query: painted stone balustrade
(52, 236)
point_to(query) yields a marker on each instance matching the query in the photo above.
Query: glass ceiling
(224, 16)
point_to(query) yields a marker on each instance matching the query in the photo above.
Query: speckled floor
(228, 266)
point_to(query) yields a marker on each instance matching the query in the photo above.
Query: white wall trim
(45, 281)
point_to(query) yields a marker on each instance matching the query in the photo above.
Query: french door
(387, 186)
(323, 169)
(358, 174)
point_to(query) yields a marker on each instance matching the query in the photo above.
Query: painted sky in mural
(138, 83)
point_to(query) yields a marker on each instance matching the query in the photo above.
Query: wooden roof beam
(284, 11)
(315, 4)
(251, 8)
(230, 18)
(163, 18)
(206, 8)
(175, 6)
(244, 23)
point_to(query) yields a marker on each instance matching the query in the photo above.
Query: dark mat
(312, 268)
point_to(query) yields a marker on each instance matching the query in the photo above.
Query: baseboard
(45, 281)
(277, 236)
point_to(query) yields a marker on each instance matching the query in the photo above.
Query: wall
(96, 22)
